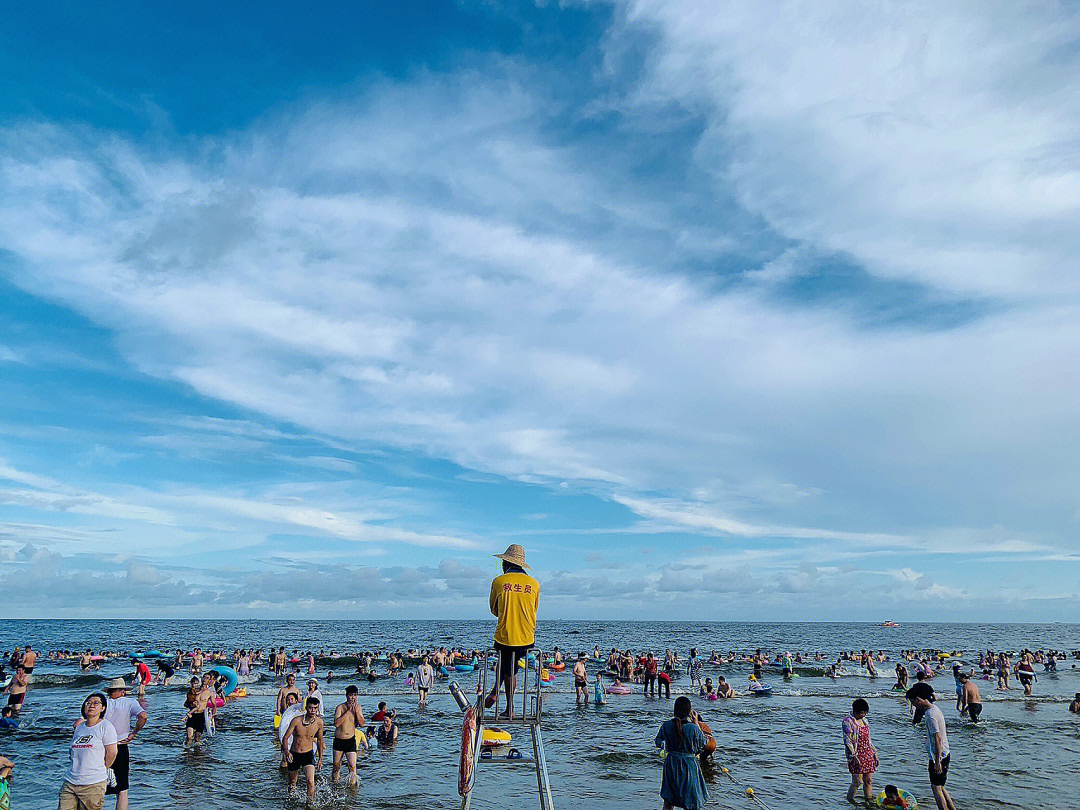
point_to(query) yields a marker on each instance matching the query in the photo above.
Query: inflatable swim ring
(277, 721)
(149, 654)
(444, 671)
(911, 801)
(558, 667)
(619, 689)
(493, 737)
(231, 678)
(760, 689)
(218, 702)
(464, 667)
(468, 753)
(239, 693)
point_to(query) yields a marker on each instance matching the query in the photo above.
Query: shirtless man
(290, 686)
(299, 745)
(195, 719)
(16, 690)
(970, 700)
(1074, 707)
(29, 659)
(581, 681)
(85, 661)
(348, 717)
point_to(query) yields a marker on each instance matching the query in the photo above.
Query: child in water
(893, 797)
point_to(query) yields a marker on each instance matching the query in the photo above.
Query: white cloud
(342, 268)
(931, 141)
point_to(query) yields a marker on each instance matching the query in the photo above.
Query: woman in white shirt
(93, 749)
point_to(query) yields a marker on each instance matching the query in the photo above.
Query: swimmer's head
(892, 792)
(291, 699)
(351, 691)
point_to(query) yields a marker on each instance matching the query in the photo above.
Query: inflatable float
(493, 737)
(760, 689)
(150, 654)
(619, 689)
(231, 678)
(910, 802)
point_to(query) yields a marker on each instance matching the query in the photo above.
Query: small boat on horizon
(889, 624)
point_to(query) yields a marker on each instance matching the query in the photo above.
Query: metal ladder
(527, 714)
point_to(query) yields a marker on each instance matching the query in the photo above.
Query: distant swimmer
(16, 690)
(165, 671)
(313, 692)
(303, 746)
(29, 659)
(970, 699)
(1074, 707)
(723, 688)
(387, 732)
(7, 719)
(901, 677)
(283, 692)
(581, 680)
(348, 717)
(1025, 672)
(425, 679)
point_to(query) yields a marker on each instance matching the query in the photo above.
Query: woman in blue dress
(683, 785)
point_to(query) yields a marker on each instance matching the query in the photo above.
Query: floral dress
(857, 737)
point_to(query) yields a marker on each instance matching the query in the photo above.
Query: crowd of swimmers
(110, 719)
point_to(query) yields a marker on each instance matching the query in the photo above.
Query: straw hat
(514, 554)
(119, 683)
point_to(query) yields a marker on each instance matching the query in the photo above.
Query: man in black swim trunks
(348, 717)
(970, 699)
(299, 744)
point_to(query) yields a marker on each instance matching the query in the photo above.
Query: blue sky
(724, 311)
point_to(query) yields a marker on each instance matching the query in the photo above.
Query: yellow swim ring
(494, 736)
(277, 721)
(910, 802)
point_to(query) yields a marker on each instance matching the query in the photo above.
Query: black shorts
(580, 683)
(974, 710)
(120, 768)
(16, 699)
(509, 658)
(1025, 679)
(938, 779)
(28, 670)
(345, 744)
(301, 760)
(197, 722)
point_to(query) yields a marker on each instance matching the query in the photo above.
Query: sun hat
(119, 683)
(514, 554)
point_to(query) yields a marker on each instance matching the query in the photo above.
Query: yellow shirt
(514, 599)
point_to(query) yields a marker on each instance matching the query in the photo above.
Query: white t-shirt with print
(88, 753)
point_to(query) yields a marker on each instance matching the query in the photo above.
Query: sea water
(787, 747)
